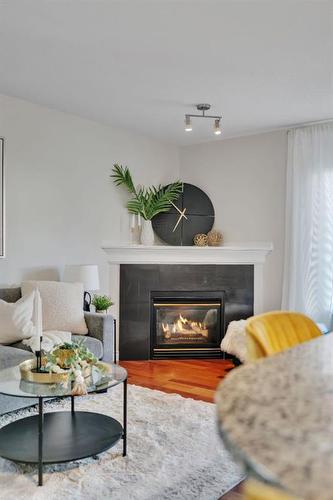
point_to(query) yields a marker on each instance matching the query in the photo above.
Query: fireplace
(143, 286)
(186, 324)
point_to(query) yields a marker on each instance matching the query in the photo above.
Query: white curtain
(308, 270)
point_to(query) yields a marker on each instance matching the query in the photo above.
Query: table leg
(125, 419)
(115, 341)
(40, 441)
(72, 405)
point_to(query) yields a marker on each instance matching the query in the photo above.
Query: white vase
(147, 233)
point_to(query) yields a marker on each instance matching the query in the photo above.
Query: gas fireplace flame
(184, 326)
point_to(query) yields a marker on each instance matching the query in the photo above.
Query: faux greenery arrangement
(75, 359)
(101, 302)
(146, 202)
(70, 354)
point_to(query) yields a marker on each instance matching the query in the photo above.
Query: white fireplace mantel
(251, 253)
(242, 254)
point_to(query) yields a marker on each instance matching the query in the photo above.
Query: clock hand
(182, 214)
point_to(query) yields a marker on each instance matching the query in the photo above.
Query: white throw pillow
(62, 305)
(16, 319)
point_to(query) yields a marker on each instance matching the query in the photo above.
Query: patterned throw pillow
(62, 305)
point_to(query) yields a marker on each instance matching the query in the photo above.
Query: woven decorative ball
(214, 238)
(200, 240)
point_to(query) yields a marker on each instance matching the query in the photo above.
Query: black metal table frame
(41, 426)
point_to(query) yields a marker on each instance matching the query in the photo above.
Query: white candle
(38, 321)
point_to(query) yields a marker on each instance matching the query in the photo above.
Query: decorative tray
(28, 373)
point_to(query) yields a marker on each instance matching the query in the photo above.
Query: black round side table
(60, 436)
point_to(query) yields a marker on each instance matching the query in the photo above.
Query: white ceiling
(142, 64)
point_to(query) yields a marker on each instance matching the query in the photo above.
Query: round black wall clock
(191, 214)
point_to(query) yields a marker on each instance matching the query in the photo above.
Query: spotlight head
(188, 124)
(217, 130)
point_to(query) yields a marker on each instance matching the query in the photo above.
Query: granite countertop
(277, 416)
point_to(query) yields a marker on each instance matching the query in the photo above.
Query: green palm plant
(150, 201)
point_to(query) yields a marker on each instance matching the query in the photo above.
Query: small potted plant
(101, 303)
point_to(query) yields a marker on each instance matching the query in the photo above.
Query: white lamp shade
(86, 274)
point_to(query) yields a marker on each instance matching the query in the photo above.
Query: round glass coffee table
(60, 436)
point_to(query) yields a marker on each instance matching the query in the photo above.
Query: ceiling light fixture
(203, 108)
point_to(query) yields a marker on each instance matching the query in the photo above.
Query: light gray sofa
(100, 340)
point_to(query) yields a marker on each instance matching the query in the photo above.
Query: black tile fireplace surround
(226, 291)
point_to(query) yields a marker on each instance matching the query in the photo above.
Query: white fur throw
(16, 319)
(62, 305)
(234, 341)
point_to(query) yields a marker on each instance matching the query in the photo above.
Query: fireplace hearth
(186, 324)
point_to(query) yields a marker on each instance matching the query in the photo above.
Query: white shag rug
(174, 452)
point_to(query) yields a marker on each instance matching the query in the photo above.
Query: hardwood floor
(195, 379)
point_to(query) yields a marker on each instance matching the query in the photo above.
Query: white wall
(61, 205)
(245, 178)
(60, 202)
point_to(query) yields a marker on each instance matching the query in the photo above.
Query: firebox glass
(187, 323)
